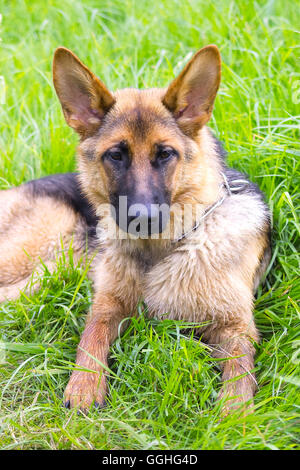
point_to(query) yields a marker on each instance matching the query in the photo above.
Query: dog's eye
(164, 154)
(115, 155)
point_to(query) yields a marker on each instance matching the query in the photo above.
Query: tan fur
(33, 230)
(208, 276)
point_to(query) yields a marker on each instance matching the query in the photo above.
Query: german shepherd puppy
(151, 149)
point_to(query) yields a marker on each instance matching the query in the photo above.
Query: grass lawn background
(163, 383)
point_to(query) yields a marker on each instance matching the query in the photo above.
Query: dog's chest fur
(200, 277)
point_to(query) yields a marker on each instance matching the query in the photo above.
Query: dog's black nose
(146, 213)
(143, 219)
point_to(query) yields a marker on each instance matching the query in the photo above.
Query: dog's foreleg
(88, 387)
(234, 344)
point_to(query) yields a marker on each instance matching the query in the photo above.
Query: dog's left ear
(190, 97)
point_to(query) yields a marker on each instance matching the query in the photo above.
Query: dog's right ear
(84, 98)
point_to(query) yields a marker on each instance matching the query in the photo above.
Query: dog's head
(141, 145)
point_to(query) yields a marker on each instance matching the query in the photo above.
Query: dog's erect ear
(84, 98)
(190, 97)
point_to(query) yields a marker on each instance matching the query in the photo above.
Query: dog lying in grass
(163, 218)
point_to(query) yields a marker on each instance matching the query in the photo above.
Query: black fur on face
(139, 192)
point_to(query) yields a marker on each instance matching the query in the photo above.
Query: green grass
(163, 383)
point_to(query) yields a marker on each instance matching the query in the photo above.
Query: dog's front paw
(84, 390)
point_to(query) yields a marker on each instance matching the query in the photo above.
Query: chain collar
(234, 187)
